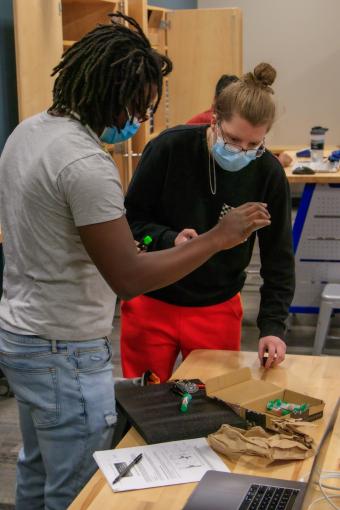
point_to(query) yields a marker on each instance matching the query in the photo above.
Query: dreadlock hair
(111, 68)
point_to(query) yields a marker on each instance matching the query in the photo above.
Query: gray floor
(299, 340)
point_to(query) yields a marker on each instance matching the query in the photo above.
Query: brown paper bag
(238, 444)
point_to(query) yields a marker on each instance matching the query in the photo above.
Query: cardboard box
(249, 398)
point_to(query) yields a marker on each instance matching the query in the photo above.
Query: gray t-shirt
(55, 177)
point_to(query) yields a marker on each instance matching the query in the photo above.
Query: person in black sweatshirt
(188, 178)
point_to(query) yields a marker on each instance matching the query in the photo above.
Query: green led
(147, 240)
(185, 402)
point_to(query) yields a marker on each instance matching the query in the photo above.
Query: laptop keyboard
(266, 497)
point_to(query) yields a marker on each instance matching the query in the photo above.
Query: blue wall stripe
(302, 214)
(303, 309)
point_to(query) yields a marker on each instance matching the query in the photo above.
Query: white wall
(301, 39)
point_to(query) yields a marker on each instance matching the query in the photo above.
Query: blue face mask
(232, 162)
(112, 135)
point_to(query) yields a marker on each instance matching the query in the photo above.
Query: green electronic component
(185, 402)
(147, 240)
(282, 408)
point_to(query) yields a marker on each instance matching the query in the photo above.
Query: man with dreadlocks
(69, 250)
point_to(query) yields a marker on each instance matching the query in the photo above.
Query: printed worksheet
(161, 464)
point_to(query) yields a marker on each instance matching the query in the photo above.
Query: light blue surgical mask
(111, 135)
(228, 160)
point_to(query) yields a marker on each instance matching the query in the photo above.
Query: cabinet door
(203, 44)
(38, 48)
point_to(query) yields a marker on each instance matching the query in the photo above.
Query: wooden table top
(277, 149)
(317, 376)
(317, 178)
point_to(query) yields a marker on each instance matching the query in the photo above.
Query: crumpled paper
(297, 429)
(238, 444)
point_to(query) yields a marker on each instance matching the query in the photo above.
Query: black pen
(128, 468)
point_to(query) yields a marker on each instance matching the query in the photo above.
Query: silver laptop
(228, 491)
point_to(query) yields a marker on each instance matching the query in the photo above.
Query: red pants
(154, 332)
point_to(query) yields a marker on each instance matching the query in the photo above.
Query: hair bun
(265, 73)
(264, 76)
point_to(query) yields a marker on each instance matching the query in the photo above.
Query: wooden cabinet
(43, 29)
(81, 16)
(38, 47)
(153, 22)
(202, 44)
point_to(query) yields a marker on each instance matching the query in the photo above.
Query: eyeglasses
(237, 149)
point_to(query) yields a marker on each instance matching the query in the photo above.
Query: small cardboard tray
(252, 395)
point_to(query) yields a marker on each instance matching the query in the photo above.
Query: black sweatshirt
(170, 191)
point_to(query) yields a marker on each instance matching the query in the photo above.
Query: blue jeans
(65, 394)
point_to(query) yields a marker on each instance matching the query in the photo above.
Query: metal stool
(330, 299)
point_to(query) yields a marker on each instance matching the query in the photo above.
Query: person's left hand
(285, 159)
(185, 235)
(275, 346)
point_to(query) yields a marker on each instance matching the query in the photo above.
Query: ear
(213, 122)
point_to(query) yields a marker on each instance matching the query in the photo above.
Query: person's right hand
(238, 224)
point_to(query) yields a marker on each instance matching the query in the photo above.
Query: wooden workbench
(317, 178)
(316, 376)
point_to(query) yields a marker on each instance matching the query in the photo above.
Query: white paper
(162, 464)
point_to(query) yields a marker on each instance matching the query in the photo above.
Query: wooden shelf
(156, 8)
(87, 1)
(81, 16)
(68, 44)
(159, 47)
(155, 18)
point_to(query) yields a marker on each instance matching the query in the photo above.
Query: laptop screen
(311, 493)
